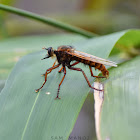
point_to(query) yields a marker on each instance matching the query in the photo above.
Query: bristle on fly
(44, 48)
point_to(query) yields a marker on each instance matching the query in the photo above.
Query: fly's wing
(92, 58)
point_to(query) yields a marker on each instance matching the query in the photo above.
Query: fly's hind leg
(47, 71)
(79, 69)
(75, 63)
(93, 75)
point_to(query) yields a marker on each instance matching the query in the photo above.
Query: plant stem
(45, 20)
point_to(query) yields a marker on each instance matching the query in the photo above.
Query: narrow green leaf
(48, 20)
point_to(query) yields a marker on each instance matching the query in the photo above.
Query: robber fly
(66, 54)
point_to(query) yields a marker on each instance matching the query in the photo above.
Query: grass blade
(45, 20)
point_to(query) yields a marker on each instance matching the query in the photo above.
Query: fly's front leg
(93, 75)
(70, 65)
(48, 70)
(60, 69)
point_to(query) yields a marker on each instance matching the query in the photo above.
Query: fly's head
(50, 52)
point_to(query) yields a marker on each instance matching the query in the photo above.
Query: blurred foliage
(86, 20)
(7, 2)
(98, 5)
(128, 6)
(3, 31)
(101, 17)
(120, 14)
(3, 15)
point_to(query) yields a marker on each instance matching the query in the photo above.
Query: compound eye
(49, 51)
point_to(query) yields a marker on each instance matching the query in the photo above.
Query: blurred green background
(98, 16)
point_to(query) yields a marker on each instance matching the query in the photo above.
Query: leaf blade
(49, 117)
(120, 114)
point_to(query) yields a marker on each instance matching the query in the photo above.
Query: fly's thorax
(66, 48)
(63, 57)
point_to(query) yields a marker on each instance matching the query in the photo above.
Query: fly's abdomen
(101, 68)
(86, 62)
(98, 66)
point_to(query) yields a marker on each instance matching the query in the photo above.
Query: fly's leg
(78, 69)
(93, 75)
(48, 70)
(60, 69)
(74, 63)
(70, 65)
(57, 97)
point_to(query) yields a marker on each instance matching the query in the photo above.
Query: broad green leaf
(2, 82)
(38, 115)
(30, 43)
(120, 115)
(12, 49)
(128, 42)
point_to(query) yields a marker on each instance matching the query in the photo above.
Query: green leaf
(120, 115)
(12, 49)
(2, 82)
(38, 115)
(128, 43)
